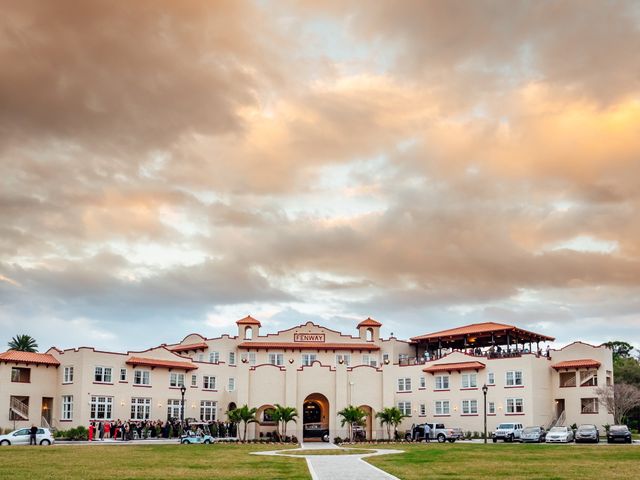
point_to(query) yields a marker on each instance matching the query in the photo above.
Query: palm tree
(23, 343)
(284, 415)
(244, 415)
(390, 416)
(352, 416)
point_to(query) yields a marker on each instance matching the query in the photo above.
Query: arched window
(369, 334)
(248, 333)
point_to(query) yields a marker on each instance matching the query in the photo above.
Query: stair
(19, 409)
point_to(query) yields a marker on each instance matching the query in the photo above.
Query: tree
(620, 349)
(390, 416)
(352, 416)
(244, 415)
(619, 399)
(23, 343)
(284, 415)
(627, 370)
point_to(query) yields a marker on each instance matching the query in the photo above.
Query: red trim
(442, 390)
(514, 414)
(120, 381)
(144, 386)
(61, 421)
(469, 414)
(422, 388)
(514, 386)
(404, 391)
(102, 383)
(491, 414)
(470, 388)
(447, 415)
(209, 390)
(589, 413)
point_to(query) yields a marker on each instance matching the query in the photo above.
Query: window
(232, 384)
(442, 382)
(67, 407)
(249, 358)
(208, 382)
(405, 408)
(369, 360)
(423, 382)
(194, 380)
(469, 407)
(442, 407)
(276, 358)
(514, 378)
(491, 378)
(67, 375)
(385, 358)
(101, 408)
(491, 408)
(469, 380)
(207, 410)
(404, 384)
(214, 357)
(200, 357)
(588, 378)
(514, 405)
(142, 377)
(102, 375)
(176, 379)
(232, 358)
(567, 379)
(123, 374)
(588, 405)
(346, 359)
(609, 377)
(20, 375)
(423, 409)
(308, 358)
(173, 408)
(140, 408)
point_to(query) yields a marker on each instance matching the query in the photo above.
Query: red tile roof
(449, 367)
(307, 346)
(369, 322)
(248, 320)
(189, 346)
(156, 362)
(479, 329)
(584, 363)
(28, 357)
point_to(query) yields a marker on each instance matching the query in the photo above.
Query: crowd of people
(136, 430)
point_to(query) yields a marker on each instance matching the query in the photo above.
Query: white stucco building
(435, 377)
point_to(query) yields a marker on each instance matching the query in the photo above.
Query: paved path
(344, 467)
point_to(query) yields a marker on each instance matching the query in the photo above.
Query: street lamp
(183, 389)
(485, 389)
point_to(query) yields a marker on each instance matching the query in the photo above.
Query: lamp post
(485, 389)
(183, 389)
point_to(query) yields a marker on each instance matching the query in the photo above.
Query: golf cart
(198, 432)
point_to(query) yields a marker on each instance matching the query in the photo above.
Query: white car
(559, 435)
(21, 437)
(508, 432)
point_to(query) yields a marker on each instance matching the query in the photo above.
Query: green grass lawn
(122, 462)
(460, 461)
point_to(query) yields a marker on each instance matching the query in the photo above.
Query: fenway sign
(308, 337)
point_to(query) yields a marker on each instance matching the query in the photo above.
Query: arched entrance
(265, 425)
(315, 418)
(368, 426)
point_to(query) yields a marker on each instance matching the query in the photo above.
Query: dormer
(369, 330)
(248, 328)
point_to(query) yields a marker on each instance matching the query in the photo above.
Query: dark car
(316, 430)
(618, 433)
(533, 434)
(587, 433)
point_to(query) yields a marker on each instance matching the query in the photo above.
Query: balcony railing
(404, 361)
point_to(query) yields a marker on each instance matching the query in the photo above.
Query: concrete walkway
(344, 467)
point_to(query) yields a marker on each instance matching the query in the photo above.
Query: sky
(171, 167)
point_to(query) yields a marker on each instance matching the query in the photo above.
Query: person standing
(427, 433)
(107, 430)
(101, 431)
(32, 435)
(91, 430)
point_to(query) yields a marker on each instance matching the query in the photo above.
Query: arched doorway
(315, 418)
(265, 425)
(368, 426)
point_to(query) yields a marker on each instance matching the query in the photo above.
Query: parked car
(533, 434)
(21, 437)
(437, 432)
(316, 430)
(507, 432)
(559, 435)
(587, 433)
(197, 433)
(618, 433)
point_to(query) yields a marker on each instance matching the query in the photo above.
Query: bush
(78, 433)
(337, 440)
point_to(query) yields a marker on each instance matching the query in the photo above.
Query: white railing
(559, 420)
(19, 408)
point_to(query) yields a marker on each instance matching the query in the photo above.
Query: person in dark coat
(32, 435)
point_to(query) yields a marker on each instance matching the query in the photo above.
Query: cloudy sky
(170, 167)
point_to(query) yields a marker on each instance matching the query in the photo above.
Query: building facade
(436, 377)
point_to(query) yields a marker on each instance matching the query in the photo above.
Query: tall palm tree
(390, 416)
(23, 343)
(284, 415)
(352, 416)
(244, 415)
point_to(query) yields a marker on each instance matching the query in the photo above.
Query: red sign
(308, 337)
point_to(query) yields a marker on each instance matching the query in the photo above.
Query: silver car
(21, 437)
(560, 435)
(587, 433)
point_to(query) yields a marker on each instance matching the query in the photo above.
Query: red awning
(189, 346)
(158, 363)
(569, 364)
(450, 367)
(29, 357)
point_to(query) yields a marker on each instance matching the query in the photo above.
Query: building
(435, 377)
